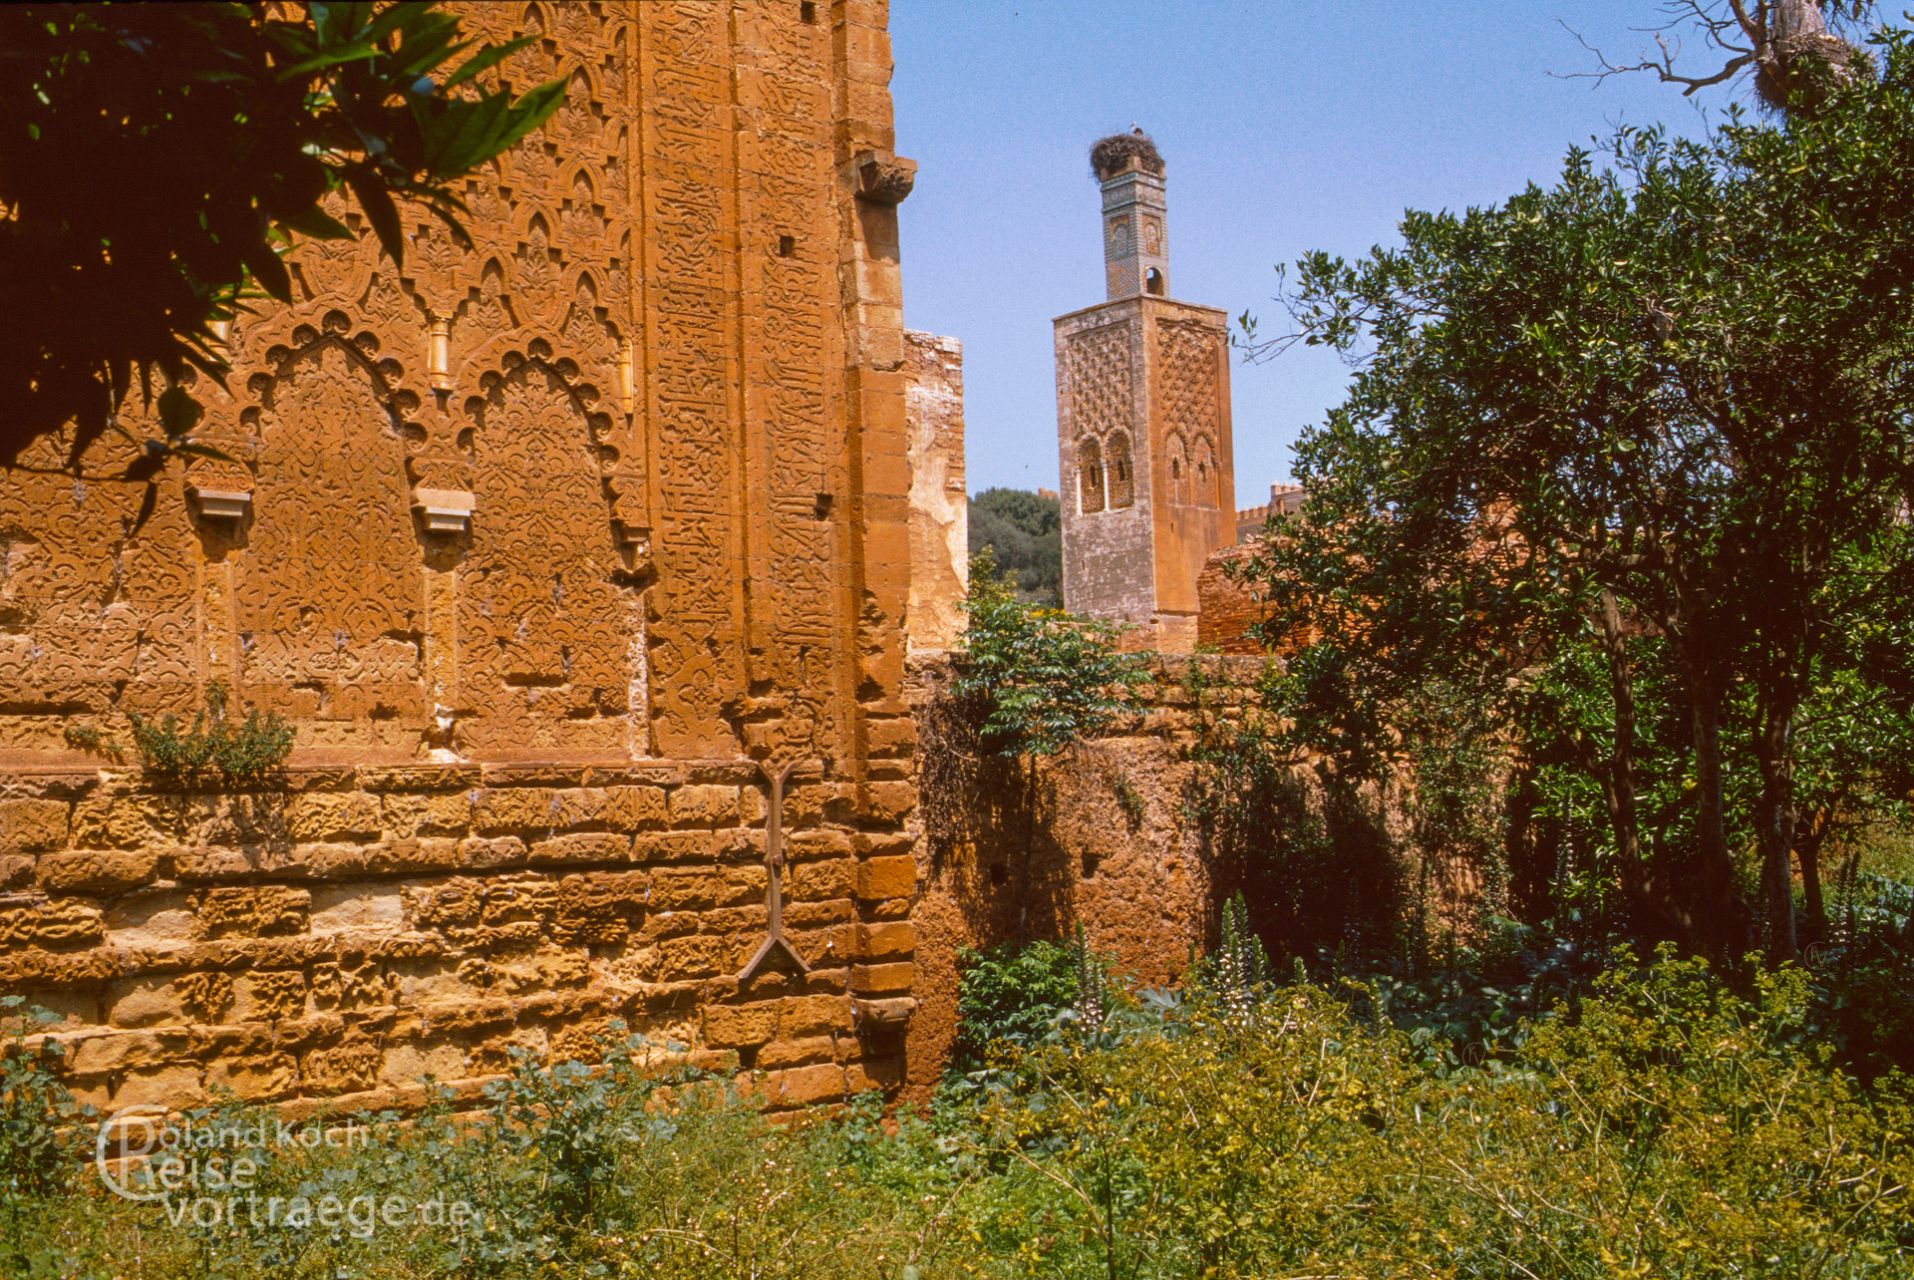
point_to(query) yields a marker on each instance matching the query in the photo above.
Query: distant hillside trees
(1023, 532)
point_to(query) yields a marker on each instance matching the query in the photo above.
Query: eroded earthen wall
(543, 546)
(939, 502)
(1113, 846)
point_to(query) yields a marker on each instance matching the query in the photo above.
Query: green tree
(156, 162)
(1023, 532)
(1031, 682)
(1667, 397)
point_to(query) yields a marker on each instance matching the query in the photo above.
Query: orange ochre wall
(542, 545)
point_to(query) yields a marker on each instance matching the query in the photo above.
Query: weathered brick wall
(1113, 848)
(539, 544)
(343, 934)
(1228, 609)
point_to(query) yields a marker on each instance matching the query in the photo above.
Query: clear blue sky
(1286, 127)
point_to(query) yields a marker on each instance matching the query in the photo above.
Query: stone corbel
(222, 504)
(893, 1011)
(883, 178)
(635, 538)
(444, 510)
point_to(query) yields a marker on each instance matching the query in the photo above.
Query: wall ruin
(939, 499)
(1112, 844)
(543, 546)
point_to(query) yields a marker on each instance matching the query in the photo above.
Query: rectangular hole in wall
(807, 11)
(787, 245)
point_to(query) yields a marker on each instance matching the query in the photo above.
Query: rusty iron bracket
(774, 939)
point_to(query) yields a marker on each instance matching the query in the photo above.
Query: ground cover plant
(1666, 1125)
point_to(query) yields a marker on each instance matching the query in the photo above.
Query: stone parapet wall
(343, 936)
(1229, 609)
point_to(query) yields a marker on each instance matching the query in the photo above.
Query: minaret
(1136, 252)
(1143, 424)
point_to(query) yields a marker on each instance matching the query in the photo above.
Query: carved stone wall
(615, 497)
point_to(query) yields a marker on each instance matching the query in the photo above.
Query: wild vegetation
(1663, 1125)
(1603, 581)
(216, 747)
(1614, 519)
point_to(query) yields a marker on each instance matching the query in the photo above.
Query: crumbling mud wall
(543, 546)
(1107, 841)
(939, 500)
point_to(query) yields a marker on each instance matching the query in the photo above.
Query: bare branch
(1663, 67)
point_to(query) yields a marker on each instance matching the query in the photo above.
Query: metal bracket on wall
(774, 939)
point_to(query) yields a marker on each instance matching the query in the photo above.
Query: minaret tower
(1143, 423)
(1136, 252)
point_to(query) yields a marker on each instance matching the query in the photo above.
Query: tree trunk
(1808, 837)
(1774, 752)
(1715, 918)
(1619, 791)
(1791, 53)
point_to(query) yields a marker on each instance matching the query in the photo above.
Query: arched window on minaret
(1179, 473)
(1089, 477)
(1203, 491)
(1122, 481)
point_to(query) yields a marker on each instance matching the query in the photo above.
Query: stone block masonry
(340, 936)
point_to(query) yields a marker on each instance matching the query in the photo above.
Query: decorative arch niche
(1089, 477)
(328, 598)
(1179, 461)
(1204, 484)
(1122, 472)
(551, 629)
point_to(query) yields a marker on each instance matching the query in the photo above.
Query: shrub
(213, 747)
(1033, 680)
(1011, 997)
(1665, 1126)
(36, 1151)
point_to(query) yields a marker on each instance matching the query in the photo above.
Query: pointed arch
(1122, 471)
(1205, 483)
(328, 601)
(549, 620)
(1178, 458)
(1089, 476)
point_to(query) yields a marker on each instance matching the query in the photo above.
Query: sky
(1286, 127)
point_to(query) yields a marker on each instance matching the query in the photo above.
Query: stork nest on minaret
(1112, 155)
